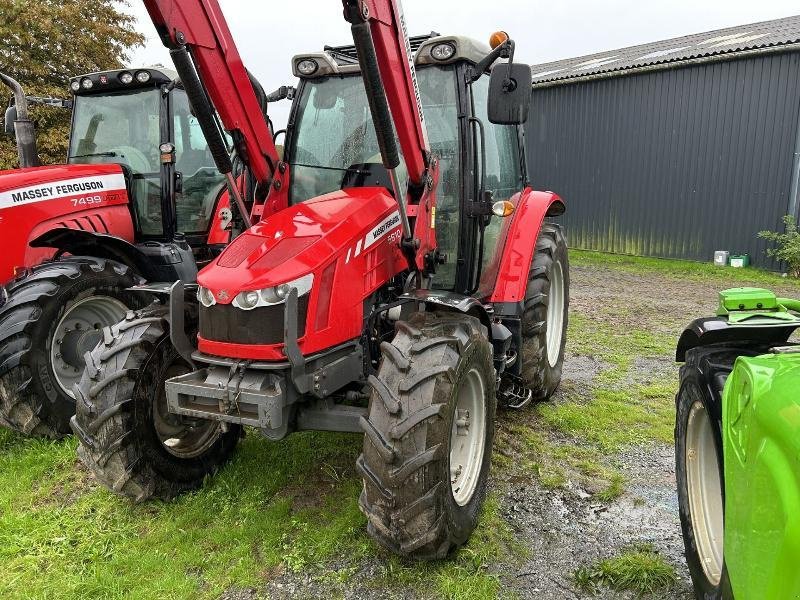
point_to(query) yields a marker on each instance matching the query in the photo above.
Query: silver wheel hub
(78, 332)
(705, 492)
(181, 436)
(555, 314)
(468, 437)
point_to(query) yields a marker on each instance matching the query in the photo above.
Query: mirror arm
(504, 50)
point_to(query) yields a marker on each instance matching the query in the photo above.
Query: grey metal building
(673, 149)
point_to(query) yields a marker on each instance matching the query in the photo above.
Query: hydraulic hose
(205, 117)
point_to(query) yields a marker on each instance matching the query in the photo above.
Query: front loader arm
(387, 68)
(200, 27)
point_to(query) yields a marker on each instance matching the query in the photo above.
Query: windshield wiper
(93, 154)
(326, 168)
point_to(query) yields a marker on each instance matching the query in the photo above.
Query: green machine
(737, 448)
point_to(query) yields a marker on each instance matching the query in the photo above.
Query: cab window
(202, 182)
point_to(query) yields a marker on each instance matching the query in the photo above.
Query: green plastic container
(739, 260)
(761, 446)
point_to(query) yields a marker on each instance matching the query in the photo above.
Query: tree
(788, 245)
(46, 42)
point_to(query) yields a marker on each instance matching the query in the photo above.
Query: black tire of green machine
(31, 401)
(705, 369)
(536, 372)
(114, 414)
(407, 495)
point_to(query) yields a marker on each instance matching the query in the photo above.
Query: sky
(268, 35)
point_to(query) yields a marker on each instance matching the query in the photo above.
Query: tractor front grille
(262, 325)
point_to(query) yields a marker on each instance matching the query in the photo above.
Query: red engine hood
(38, 199)
(297, 241)
(24, 178)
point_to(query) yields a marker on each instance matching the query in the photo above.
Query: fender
(88, 243)
(716, 330)
(442, 299)
(519, 243)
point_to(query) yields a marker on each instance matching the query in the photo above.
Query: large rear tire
(52, 317)
(429, 435)
(128, 438)
(699, 467)
(546, 314)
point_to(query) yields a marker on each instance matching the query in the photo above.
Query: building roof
(766, 36)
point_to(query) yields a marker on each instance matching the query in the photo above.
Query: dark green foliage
(48, 41)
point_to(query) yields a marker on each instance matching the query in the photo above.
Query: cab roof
(343, 60)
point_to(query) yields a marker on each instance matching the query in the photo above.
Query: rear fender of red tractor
(505, 278)
(85, 198)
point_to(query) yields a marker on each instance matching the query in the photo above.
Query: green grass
(291, 506)
(278, 506)
(695, 271)
(640, 570)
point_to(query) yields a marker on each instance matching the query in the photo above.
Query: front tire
(699, 468)
(546, 314)
(428, 435)
(128, 438)
(52, 317)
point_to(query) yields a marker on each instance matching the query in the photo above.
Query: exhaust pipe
(23, 126)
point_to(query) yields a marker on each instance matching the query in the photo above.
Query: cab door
(504, 179)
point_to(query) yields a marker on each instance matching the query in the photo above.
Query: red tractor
(139, 199)
(400, 290)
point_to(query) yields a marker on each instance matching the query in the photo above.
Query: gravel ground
(565, 528)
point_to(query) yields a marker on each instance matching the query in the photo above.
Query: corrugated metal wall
(674, 163)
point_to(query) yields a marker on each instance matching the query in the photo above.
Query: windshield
(123, 128)
(334, 135)
(117, 128)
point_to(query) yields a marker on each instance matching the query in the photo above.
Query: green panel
(747, 298)
(761, 431)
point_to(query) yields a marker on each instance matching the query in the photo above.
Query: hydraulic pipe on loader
(23, 127)
(387, 67)
(209, 64)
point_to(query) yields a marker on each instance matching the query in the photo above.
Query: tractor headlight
(125, 77)
(205, 297)
(443, 51)
(307, 66)
(142, 76)
(251, 299)
(75, 85)
(86, 83)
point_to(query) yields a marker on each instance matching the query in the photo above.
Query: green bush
(787, 245)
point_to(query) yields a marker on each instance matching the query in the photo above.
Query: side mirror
(509, 94)
(11, 116)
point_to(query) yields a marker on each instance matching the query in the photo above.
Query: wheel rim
(705, 492)
(180, 436)
(78, 332)
(555, 314)
(468, 438)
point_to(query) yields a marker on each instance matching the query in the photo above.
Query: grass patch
(695, 271)
(640, 570)
(274, 505)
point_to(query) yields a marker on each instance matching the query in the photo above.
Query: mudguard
(717, 330)
(506, 277)
(166, 262)
(761, 448)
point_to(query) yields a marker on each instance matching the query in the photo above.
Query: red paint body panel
(507, 280)
(216, 234)
(35, 200)
(340, 226)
